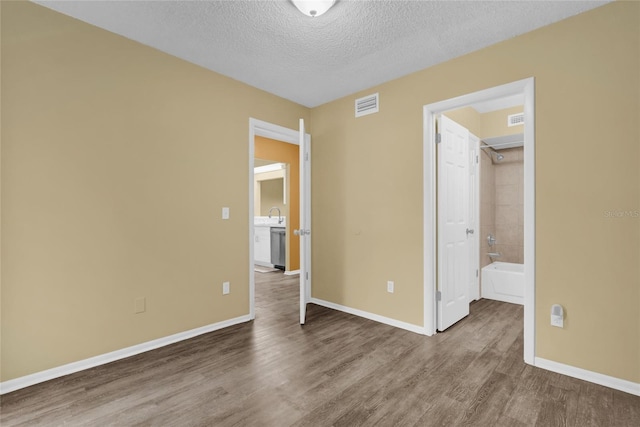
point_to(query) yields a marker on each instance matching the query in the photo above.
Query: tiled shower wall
(487, 206)
(509, 201)
(501, 206)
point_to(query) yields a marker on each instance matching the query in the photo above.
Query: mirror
(270, 186)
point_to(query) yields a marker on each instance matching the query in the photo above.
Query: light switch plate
(225, 213)
(225, 288)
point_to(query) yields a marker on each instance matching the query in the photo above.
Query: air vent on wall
(515, 119)
(367, 105)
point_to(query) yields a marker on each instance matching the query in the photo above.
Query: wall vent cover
(367, 105)
(515, 119)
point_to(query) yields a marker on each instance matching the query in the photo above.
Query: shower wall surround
(487, 206)
(509, 200)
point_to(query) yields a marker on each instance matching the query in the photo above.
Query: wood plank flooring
(337, 370)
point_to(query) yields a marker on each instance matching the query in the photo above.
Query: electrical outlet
(390, 286)
(225, 288)
(139, 305)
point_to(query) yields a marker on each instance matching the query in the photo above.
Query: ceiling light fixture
(313, 8)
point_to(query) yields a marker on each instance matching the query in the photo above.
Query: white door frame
(524, 87)
(271, 131)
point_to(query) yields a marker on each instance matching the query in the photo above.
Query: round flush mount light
(313, 8)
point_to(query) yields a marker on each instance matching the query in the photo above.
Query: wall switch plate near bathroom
(390, 286)
(225, 288)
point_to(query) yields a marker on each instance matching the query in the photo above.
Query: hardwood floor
(337, 370)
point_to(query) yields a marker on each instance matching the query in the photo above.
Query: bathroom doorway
(288, 152)
(525, 90)
(493, 133)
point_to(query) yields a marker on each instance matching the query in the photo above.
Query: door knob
(302, 232)
(469, 231)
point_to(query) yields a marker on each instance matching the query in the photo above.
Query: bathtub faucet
(494, 254)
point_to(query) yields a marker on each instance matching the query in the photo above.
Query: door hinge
(438, 138)
(438, 296)
(477, 159)
(476, 272)
(306, 275)
(306, 156)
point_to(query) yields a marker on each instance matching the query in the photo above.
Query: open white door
(474, 217)
(305, 221)
(453, 223)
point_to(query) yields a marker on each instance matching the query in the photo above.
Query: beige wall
(367, 195)
(494, 123)
(467, 117)
(116, 162)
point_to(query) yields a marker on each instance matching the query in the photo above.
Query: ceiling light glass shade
(313, 8)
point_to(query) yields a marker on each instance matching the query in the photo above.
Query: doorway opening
(276, 205)
(283, 154)
(524, 91)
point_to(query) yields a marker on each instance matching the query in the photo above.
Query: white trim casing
(529, 223)
(592, 377)
(371, 316)
(523, 87)
(102, 359)
(429, 223)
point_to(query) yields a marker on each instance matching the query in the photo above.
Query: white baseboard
(291, 273)
(70, 368)
(371, 316)
(263, 264)
(592, 377)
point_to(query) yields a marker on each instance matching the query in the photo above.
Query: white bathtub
(503, 281)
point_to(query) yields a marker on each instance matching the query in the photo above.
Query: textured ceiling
(357, 44)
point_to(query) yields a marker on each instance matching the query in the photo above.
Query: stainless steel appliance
(278, 255)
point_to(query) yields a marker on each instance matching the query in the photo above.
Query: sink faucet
(279, 216)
